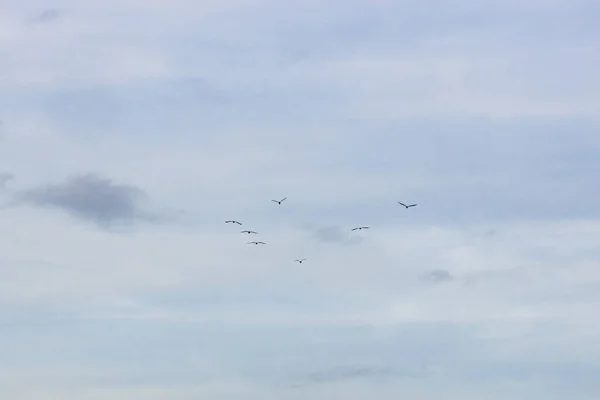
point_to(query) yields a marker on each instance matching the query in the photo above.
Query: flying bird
(279, 201)
(300, 261)
(359, 228)
(233, 222)
(248, 232)
(256, 243)
(407, 206)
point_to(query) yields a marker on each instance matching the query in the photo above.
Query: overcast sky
(130, 130)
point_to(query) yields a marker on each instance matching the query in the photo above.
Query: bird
(300, 261)
(248, 232)
(256, 243)
(359, 228)
(279, 201)
(407, 206)
(233, 222)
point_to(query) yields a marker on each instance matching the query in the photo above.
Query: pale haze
(131, 130)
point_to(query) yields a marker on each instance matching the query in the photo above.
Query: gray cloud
(5, 177)
(490, 233)
(335, 234)
(46, 16)
(339, 374)
(92, 198)
(438, 276)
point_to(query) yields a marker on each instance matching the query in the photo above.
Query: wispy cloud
(47, 16)
(438, 275)
(336, 234)
(5, 177)
(347, 373)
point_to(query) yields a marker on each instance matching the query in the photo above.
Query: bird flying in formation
(279, 201)
(407, 206)
(300, 261)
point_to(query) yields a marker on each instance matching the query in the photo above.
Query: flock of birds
(250, 232)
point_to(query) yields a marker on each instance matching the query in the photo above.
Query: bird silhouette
(279, 201)
(256, 243)
(407, 206)
(359, 228)
(233, 222)
(300, 261)
(248, 232)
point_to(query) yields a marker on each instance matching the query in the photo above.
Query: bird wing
(283, 199)
(276, 201)
(353, 229)
(402, 204)
(412, 205)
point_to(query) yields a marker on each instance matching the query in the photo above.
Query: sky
(131, 130)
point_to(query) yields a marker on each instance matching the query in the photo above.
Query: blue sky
(131, 130)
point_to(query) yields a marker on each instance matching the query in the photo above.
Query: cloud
(335, 234)
(92, 198)
(438, 275)
(483, 113)
(347, 373)
(5, 177)
(47, 16)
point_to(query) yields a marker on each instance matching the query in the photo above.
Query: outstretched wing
(402, 204)
(282, 199)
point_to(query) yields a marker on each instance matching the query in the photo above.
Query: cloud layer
(120, 116)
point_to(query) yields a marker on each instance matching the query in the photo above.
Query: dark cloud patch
(438, 276)
(92, 198)
(47, 16)
(335, 234)
(490, 234)
(5, 177)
